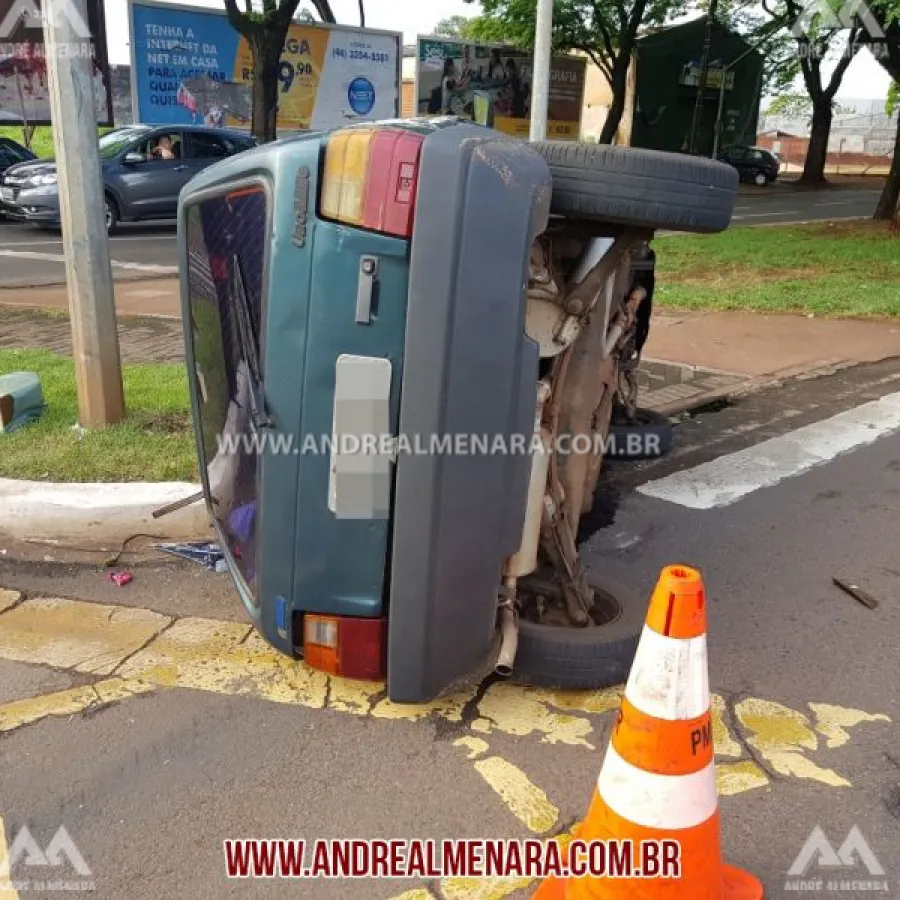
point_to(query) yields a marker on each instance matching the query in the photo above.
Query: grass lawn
(41, 140)
(154, 443)
(828, 268)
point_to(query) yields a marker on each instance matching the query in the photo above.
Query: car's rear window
(226, 260)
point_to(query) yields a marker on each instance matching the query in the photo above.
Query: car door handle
(179, 168)
(366, 287)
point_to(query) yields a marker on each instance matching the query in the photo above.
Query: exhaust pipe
(509, 630)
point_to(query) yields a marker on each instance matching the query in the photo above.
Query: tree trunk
(266, 50)
(817, 152)
(889, 204)
(619, 87)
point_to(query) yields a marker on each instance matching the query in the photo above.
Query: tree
(892, 103)
(266, 32)
(455, 26)
(818, 34)
(791, 106)
(887, 52)
(604, 30)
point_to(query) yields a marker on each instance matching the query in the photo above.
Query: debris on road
(204, 552)
(120, 578)
(857, 593)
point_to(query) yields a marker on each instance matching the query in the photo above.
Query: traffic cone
(658, 780)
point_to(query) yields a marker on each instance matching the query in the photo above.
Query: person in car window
(163, 149)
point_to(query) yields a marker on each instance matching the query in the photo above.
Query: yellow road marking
(420, 894)
(739, 777)
(69, 702)
(723, 742)
(483, 888)
(7, 891)
(780, 734)
(833, 721)
(449, 707)
(592, 702)
(226, 658)
(229, 658)
(8, 599)
(526, 801)
(520, 711)
(67, 634)
(477, 747)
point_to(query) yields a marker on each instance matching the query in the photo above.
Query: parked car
(144, 169)
(754, 164)
(11, 153)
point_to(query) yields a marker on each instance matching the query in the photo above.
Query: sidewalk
(134, 297)
(722, 353)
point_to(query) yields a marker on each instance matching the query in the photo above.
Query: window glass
(113, 143)
(226, 259)
(206, 146)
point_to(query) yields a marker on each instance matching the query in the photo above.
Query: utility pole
(540, 86)
(704, 69)
(95, 339)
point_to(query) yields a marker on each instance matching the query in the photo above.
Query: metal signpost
(540, 91)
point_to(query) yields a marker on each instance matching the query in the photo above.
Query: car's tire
(598, 656)
(650, 436)
(760, 179)
(640, 188)
(111, 211)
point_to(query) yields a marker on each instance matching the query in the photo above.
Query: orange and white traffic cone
(658, 779)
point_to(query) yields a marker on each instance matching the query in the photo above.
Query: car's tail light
(370, 177)
(350, 647)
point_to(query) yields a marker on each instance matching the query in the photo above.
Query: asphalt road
(33, 258)
(772, 207)
(209, 737)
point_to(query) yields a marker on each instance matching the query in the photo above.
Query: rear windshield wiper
(259, 416)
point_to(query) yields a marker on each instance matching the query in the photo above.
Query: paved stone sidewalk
(140, 340)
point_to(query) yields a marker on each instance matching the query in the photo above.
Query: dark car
(754, 164)
(12, 153)
(144, 169)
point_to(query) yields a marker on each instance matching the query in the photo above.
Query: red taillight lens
(370, 178)
(345, 646)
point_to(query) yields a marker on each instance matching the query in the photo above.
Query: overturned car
(407, 341)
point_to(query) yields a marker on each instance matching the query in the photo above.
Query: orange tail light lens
(370, 178)
(345, 646)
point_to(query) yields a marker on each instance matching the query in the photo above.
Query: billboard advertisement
(24, 88)
(190, 66)
(491, 84)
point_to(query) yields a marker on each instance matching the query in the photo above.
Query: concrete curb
(98, 512)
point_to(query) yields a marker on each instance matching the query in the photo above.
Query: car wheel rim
(108, 213)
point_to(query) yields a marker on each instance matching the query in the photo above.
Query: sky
(865, 79)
